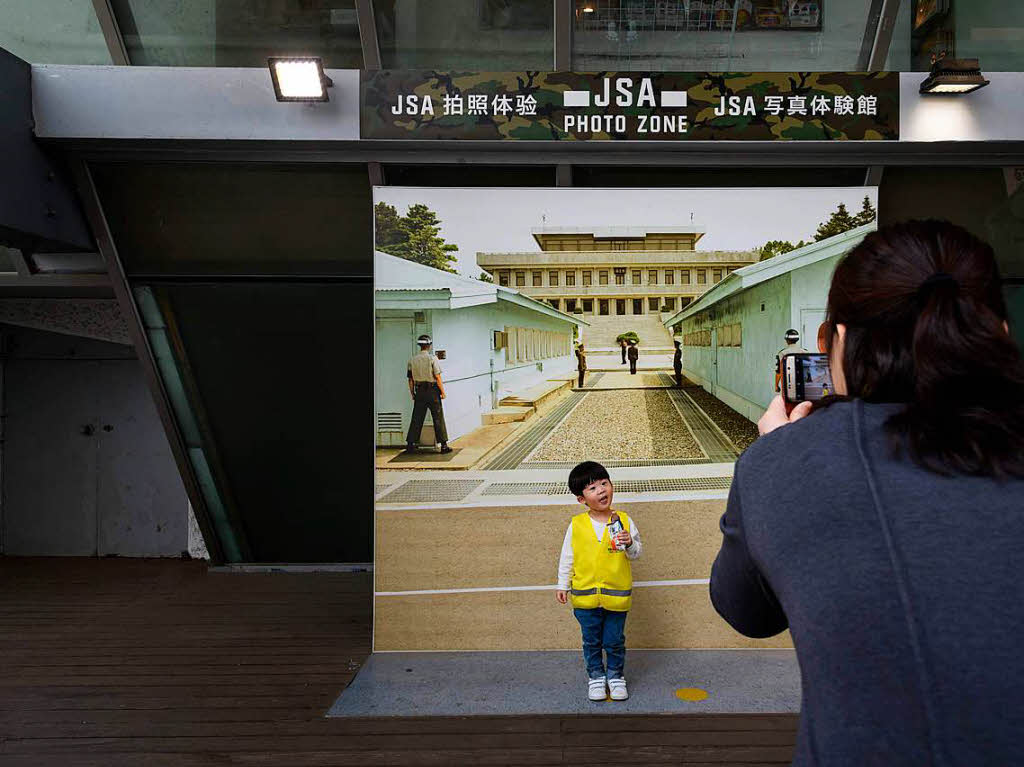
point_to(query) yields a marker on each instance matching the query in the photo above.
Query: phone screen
(806, 377)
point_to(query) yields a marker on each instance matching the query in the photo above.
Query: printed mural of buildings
(618, 278)
(730, 336)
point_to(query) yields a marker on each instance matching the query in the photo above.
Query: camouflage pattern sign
(632, 106)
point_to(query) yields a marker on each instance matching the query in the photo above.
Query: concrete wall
(744, 379)
(86, 465)
(745, 374)
(809, 297)
(465, 336)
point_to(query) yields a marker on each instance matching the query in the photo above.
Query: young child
(596, 576)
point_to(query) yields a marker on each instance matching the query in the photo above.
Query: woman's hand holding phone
(779, 413)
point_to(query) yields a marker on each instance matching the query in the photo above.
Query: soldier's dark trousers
(623, 355)
(632, 367)
(428, 397)
(583, 374)
(679, 376)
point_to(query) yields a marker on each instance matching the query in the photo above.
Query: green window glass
(200, 33)
(53, 32)
(482, 35)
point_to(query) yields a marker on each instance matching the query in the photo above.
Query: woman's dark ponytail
(926, 325)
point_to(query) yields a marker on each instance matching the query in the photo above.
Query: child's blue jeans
(603, 630)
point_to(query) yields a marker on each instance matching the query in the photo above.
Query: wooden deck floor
(158, 663)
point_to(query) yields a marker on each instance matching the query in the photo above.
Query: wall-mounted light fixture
(299, 78)
(954, 76)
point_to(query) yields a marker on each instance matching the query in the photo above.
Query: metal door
(810, 320)
(394, 345)
(88, 468)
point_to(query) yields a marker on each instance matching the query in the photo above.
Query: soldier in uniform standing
(677, 363)
(427, 390)
(581, 364)
(633, 353)
(792, 347)
(622, 343)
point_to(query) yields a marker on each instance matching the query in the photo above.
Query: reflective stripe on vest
(602, 577)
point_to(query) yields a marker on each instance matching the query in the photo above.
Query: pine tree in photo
(840, 221)
(423, 245)
(774, 248)
(413, 236)
(867, 212)
(388, 231)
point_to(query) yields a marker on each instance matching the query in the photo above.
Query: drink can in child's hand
(614, 528)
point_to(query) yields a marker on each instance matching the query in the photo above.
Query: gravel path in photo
(737, 428)
(618, 380)
(621, 425)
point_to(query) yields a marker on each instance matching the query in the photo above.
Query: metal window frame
(111, 32)
(368, 37)
(144, 351)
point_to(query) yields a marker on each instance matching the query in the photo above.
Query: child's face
(598, 495)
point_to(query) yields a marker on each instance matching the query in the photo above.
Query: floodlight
(299, 78)
(953, 76)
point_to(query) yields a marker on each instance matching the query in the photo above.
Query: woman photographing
(896, 560)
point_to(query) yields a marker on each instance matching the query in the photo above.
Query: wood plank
(157, 663)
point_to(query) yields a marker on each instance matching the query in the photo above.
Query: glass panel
(170, 372)
(284, 421)
(232, 219)
(989, 30)
(483, 35)
(53, 32)
(724, 35)
(238, 33)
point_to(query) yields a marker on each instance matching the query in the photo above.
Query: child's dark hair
(584, 474)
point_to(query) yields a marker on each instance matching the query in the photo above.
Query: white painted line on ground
(557, 500)
(576, 98)
(426, 592)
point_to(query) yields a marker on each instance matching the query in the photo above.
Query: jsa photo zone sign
(635, 106)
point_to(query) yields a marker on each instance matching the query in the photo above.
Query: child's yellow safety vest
(601, 576)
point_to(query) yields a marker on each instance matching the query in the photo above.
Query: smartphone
(806, 377)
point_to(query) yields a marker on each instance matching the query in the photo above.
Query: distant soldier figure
(622, 343)
(581, 364)
(792, 347)
(677, 363)
(427, 390)
(633, 353)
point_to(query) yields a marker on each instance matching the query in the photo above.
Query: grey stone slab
(519, 683)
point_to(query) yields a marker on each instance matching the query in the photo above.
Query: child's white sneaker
(618, 688)
(596, 689)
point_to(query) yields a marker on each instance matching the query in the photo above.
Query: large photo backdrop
(487, 300)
